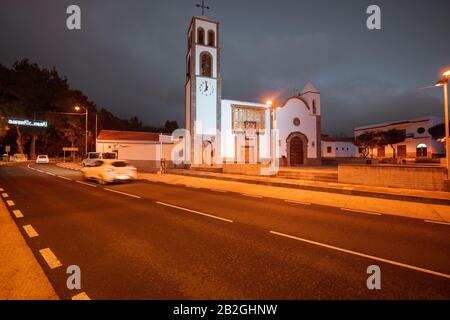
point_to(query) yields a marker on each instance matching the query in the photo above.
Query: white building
(418, 143)
(338, 148)
(237, 131)
(143, 149)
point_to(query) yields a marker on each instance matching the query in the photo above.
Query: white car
(107, 171)
(42, 158)
(94, 156)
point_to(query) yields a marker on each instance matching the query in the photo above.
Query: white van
(94, 156)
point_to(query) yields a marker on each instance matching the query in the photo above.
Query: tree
(366, 141)
(391, 137)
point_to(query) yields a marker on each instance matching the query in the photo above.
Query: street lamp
(273, 125)
(78, 108)
(444, 83)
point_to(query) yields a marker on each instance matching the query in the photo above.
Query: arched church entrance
(297, 149)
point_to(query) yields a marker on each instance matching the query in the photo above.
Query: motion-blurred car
(94, 156)
(106, 171)
(42, 158)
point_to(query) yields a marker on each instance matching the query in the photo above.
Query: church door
(296, 151)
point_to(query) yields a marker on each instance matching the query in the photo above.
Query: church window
(314, 107)
(296, 122)
(421, 150)
(206, 64)
(243, 116)
(421, 130)
(328, 149)
(211, 38)
(201, 36)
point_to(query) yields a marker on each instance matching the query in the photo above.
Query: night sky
(129, 56)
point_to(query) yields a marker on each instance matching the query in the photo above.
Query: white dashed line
(81, 296)
(86, 184)
(437, 222)
(194, 211)
(361, 211)
(50, 258)
(355, 253)
(251, 195)
(10, 203)
(39, 170)
(50, 173)
(5, 195)
(30, 231)
(298, 202)
(124, 193)
(65, 178)
(18, 213)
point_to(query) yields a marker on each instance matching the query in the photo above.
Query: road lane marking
(50, 258)
(194, 211)
(361, 211)
(50, 173)
(18, 213)
(124, 193)
(359, 254)
(81, 296)
(251, 195)
(30, 231)
(39, 170)
(437, 222)
(86, 184)
(10, 203)
(5, 195)
(65, 178)
(29, 167)
(297, 202)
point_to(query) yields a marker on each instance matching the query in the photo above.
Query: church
(234, 132)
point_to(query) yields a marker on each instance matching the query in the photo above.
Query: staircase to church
(318, 174)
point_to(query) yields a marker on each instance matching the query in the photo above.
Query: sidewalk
(21, 276)
(424, 211)
(424, 196)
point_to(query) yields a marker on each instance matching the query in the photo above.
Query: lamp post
(444, 83)
(78, 108)
(273, 125)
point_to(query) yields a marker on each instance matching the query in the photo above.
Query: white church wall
(339, 149)
(296, 108)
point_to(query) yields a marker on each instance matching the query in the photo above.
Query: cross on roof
(203, 7)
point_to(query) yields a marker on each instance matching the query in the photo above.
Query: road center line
(30, 231)
(124, 193)
(18, 213)
(361, 211)
(438, 222)
(355, 253)
(65, 178)
(86, 184)
(194, 211)
(50, 173)
(10, 203)
(81, 296)
(298, 202)
(39, 170)
(50, 258)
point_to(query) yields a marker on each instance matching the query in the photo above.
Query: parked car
(106, 171)
(42, 158)
(94, 156)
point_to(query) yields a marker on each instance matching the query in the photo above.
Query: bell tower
(203, 87)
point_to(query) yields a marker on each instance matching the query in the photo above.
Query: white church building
(238, 132)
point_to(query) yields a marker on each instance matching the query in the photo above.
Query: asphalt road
(157, 241)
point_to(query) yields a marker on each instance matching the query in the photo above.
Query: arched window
(211, 38)
(314, 107)
(421, 150)
(206, 64)
(201, 36)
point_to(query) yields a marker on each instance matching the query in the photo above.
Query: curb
(325, 189)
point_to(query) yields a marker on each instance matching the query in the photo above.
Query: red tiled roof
(127, 136)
